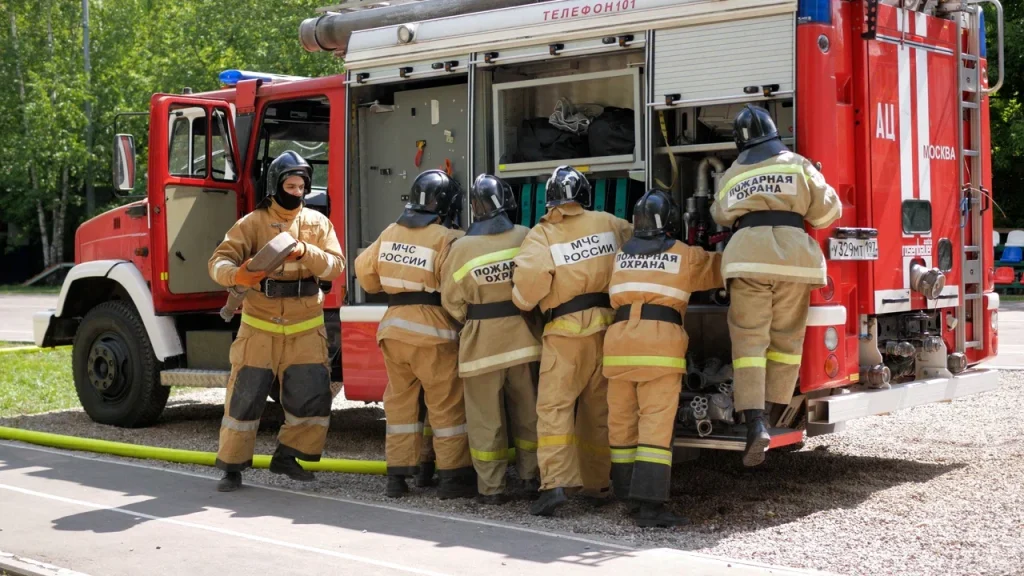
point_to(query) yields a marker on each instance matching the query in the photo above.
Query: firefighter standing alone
(564, 266)
(498, 348)
(419, 340)
(282, 339)
(645, 353)
(771, 265)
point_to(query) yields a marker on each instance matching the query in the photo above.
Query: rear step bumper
(852, 403)
(736, 439)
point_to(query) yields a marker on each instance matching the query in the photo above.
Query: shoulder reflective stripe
(399, 283)
(660, 361)
(773, 269)
(601, 319)
(450, 431)
(404, 428)
(418, 328)
(482, 260)
(749, 362)
(498, 456)
(497, 359)
(280, 329)
(774, 169)
(526, 445)
(649, 287)
(784, 358)
(565, 440)
(826, 217)
(324, 421)
(239, 426)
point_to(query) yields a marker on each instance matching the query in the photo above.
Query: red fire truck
(890, 97)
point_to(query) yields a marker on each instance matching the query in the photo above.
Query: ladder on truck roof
(972, 191)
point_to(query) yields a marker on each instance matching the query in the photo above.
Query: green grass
(18, 289)
(35, 382)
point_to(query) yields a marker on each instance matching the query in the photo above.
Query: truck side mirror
(124, 162)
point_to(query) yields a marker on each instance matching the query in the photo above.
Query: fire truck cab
(888, 97)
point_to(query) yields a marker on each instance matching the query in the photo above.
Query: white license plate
(853, 249)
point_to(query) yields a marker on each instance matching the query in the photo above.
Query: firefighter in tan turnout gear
(645, 353)
(497, 346)
(419, 340)
(282, 340)
(564, 266)
(771, 265)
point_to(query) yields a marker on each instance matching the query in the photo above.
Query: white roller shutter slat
(715, 61)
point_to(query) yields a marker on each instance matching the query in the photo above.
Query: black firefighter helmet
(491, 199)
(757, 137)
(655, 224)
(429, 199)
(568, 184)
(288, 164)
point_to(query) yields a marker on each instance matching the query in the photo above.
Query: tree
(1007, 118)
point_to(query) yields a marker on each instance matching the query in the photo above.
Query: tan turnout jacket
(785, 182)
(642, 350)
(479, 271)
(323, 260)
(409, 260)
(568, 253)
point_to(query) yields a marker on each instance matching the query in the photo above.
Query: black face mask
(287, 201)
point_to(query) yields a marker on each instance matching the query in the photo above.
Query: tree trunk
(58, 219)
(42, 233)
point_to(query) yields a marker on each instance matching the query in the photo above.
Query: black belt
(579, 304)
(770, 218)
(410, 298)
(503, 309)
(651, 312)
(294, 289)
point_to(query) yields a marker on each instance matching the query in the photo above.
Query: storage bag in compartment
(539, 141)
(613, 132)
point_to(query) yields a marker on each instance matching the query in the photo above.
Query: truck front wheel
(117, 375)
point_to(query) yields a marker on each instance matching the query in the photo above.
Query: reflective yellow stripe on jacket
(279, 329)
(483, 261)
(659, 361)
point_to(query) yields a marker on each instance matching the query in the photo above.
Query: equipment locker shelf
(515, 102)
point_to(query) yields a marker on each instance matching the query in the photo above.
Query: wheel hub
(105, 360)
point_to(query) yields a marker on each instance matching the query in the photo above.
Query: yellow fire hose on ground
(178, 456)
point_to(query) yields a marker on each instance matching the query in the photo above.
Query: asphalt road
(109, 516)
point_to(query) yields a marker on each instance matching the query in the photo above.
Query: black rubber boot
(491, 499)
(396, 487)
(425, 477)
(548, 502)
(656, 515)
(456, 487)
(289, 466)
(758, 438)
(230, 482)
(531, 488)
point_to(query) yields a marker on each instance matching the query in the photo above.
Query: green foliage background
(141, 47)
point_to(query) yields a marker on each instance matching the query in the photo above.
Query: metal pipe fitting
(704, 174)
(901, 349)
(927, 281)
(695, 379)
(956, 362)
(932, 344)
(704, 427)
(876, 376)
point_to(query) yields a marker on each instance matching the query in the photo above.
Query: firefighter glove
(246, 277)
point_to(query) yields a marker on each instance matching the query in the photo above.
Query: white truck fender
(161, 330)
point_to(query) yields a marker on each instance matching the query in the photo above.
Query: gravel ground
(933, 490)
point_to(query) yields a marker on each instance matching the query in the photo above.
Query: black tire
(117, 375)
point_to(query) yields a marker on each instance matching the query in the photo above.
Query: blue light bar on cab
(814, 11)
(233, 77)
(982, 39)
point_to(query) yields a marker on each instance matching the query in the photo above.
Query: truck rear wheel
(117, 375)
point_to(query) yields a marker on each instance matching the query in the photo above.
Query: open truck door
(195, 196)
